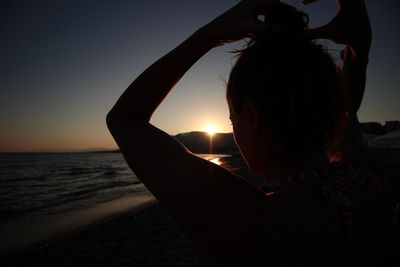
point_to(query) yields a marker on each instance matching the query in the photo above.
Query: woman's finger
(317, 33)
(306, 2)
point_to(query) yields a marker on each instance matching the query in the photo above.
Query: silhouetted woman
(288, 105)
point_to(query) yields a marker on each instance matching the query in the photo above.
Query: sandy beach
(144, 236)
(149, 237)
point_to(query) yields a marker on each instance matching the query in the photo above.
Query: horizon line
(92, 150)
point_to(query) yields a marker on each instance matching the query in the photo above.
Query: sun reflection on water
(216, 161)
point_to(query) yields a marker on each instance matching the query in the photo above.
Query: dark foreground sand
(147, 238)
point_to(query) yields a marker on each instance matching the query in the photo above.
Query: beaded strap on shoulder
(364, 178)
(334, 188)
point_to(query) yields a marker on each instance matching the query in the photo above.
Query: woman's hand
(350, 26)
(240, 22)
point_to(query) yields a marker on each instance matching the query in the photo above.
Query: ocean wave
(120, 183)
(15, 167)
(37, 183)
(15, 178)
(109, 174)
(76, 171)
(78, 193)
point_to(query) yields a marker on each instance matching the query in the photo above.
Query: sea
(43, 195)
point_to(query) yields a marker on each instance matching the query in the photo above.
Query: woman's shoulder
(374, 212)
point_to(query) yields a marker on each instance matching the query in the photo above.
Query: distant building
(372, 128)
(392, 126)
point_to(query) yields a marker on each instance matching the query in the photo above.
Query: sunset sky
(64, 64)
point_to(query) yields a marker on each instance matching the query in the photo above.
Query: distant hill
(199, 142)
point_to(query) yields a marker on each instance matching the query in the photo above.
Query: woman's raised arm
(174, 175)
(351, 26)
(144, 95)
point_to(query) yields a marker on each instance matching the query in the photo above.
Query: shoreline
(32, 231)
(26, 231)
(141, 236)
(135, 222)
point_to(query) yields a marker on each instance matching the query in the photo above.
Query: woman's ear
(251, 117)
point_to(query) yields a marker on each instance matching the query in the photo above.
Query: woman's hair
(292, 80)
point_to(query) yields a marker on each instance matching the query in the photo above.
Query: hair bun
(288, 17)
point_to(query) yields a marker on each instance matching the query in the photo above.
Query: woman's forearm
(356, 53)
(354, 75)
(143, 96)
(361, 39)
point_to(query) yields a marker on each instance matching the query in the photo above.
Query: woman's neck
(277, 168)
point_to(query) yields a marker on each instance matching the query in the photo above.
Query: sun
(211, 129)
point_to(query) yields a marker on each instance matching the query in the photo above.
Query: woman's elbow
(111, 120)
(116, 120)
